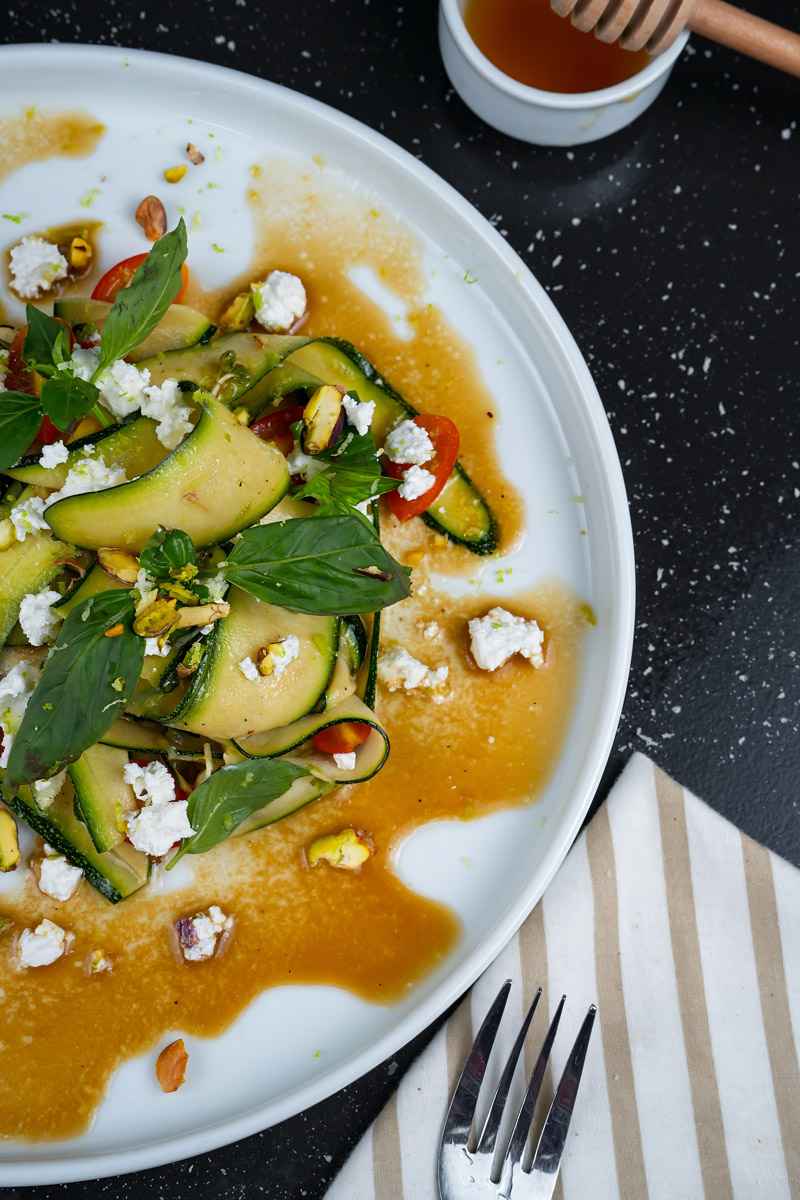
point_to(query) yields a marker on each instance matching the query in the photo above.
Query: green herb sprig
(350, 475)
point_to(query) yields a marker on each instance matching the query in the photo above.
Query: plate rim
(72, 1167)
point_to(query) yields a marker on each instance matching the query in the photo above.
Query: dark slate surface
(672, 252)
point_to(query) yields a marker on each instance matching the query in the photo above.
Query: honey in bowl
(527, 41)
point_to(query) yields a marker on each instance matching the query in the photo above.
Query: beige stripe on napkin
(687, 934)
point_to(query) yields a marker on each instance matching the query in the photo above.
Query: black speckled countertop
(673, 252)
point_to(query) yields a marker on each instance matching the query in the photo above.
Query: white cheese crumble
(499, 635)
(398, 669)
(408, 443)
(249, 669)
(57, 877)
(345, 762)
(284, 652)
(302, 464)
(431, 630)
(151, 646)
(27, 517)
(124, 389)
(37, 618)
(46, 790)
(53, 455)
(16, 689)
(43, 945)
(35, 266)
(3, 369)
(199, 935)
(279, 301)
(88, 475)
(416, 482)
(146, 589)
(217, 586)
(359, 413)
(162, 820)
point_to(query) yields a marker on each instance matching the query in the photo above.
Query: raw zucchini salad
(192, 574)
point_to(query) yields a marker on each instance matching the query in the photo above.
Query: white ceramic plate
(555, 444)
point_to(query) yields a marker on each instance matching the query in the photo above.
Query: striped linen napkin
(687, 935)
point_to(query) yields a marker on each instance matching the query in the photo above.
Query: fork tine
(523, 1123)
(489, 1135)
(547, 1159)
(458, 1121)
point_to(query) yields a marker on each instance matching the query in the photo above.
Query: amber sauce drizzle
(63, 1035)
(528, 41)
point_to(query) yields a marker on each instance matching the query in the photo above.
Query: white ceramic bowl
(533, 115)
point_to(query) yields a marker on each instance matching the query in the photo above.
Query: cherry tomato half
(341, 739)
(274, 427)
(444, 435)
(120, 276)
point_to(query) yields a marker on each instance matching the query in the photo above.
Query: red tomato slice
(119, 277)
(273, 427)
(341, 739)
(444, 434)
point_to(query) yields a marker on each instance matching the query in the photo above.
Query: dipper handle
(748, 34)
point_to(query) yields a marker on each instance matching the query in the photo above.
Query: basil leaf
(76, 700)
(326, 565)
(65, 399)
(340, 491)
(217, 806)
(138, 308)
(350, 474)
(46, 345)
(167, 549)
(20, 418)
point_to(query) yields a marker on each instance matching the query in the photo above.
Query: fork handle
(747, 33)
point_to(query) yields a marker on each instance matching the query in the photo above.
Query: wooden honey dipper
(653, 25)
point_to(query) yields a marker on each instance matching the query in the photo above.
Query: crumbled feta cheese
(157, 827)
(398, 669)
(152, 783)
(497, 636)
(199, 935)
(359, 413)
(249, 669)
(217, 586)
(16, 689)
(3, 369)
(302, 464)
(37, 618)
(408, 443)
(57, 877)
(43, 945)
(345, 762)
(122, 387)
(279, 301)
(35, 266)
(84, 361)
(146, 589)
(431, 630)
(27, 517)
(163, 403)
(53, 455)
(45, 792)
(284, 652)
(88, 475)
(416, 482)
(151, 646)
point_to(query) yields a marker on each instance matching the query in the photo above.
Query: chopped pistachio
(345, 850)
(175, 174)
(9, 842)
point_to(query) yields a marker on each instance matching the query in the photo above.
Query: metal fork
(466, 1174)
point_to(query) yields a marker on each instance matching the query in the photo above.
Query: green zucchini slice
(27, 567)
(222, 703)
(145, 737)
(179, 328)
(219, 480)
(370, 756)
(115, 873)
(459, 510)
(101, 794)
(132, 444)
(228, 367)
(94, 581)
(302, 792)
